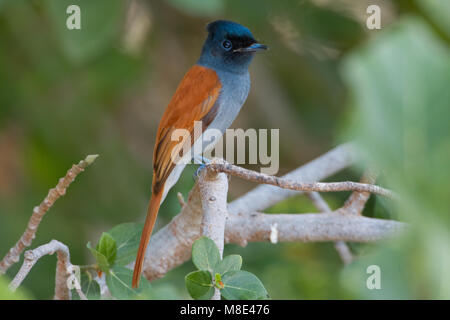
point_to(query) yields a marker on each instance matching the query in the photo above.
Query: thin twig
(344, 252)
(357, 201)
(328, 164)
(77, 286)
(341, 247)
(13, 255)
(104, 290)
(298, 186)
(318, 201)
(181, 199)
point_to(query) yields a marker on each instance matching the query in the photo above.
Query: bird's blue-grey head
(229, 46)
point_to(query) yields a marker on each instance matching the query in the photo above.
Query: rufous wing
(194, 100)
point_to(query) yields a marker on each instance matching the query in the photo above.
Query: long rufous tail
(152, 212)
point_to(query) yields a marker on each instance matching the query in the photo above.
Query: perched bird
(212, 91)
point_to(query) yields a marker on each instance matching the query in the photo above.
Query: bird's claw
(197, 172)
(202, 165)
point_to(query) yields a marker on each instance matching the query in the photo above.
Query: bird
(213, 92)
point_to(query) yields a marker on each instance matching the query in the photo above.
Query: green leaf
(229, 263)
(118, 280)
(127, 236)
(242, 285)
(199, 285)
(205, 254)
(439, 12)
(400, 123)
(89, 286)
(107, 247)
(101, 260)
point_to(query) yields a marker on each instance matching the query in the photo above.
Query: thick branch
(213, 189)
(213, 193)
(308, 227)
(13, 255)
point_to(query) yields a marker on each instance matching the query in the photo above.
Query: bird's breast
(234, 92)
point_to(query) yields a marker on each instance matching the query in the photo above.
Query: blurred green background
(326, 79)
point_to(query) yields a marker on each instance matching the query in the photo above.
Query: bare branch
(341, 247)
(356, 202)
(104, 290)
(213, 189)
(13, 255)
(181, 199)
(62, 292)
(213, 194)
(318, 201)
(265, 196)
(344, 252)
(298, 186)
(354, 205)
(308, 227)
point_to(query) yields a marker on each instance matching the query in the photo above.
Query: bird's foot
(197, 172)
(202, 165)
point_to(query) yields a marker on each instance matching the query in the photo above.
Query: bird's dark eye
(227, 45)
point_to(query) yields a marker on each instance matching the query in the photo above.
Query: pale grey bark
(62, 291)
(308, 227)
(213, 189)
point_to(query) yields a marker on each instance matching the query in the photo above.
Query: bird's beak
(253, 48)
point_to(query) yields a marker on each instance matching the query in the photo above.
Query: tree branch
(62, 291)
(213, 189)
(308, 227)
(13, 255)
(341, 247)
(265, 196)
(357, 201)
(297, 186)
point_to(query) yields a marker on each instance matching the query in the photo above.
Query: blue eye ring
(227, 45)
